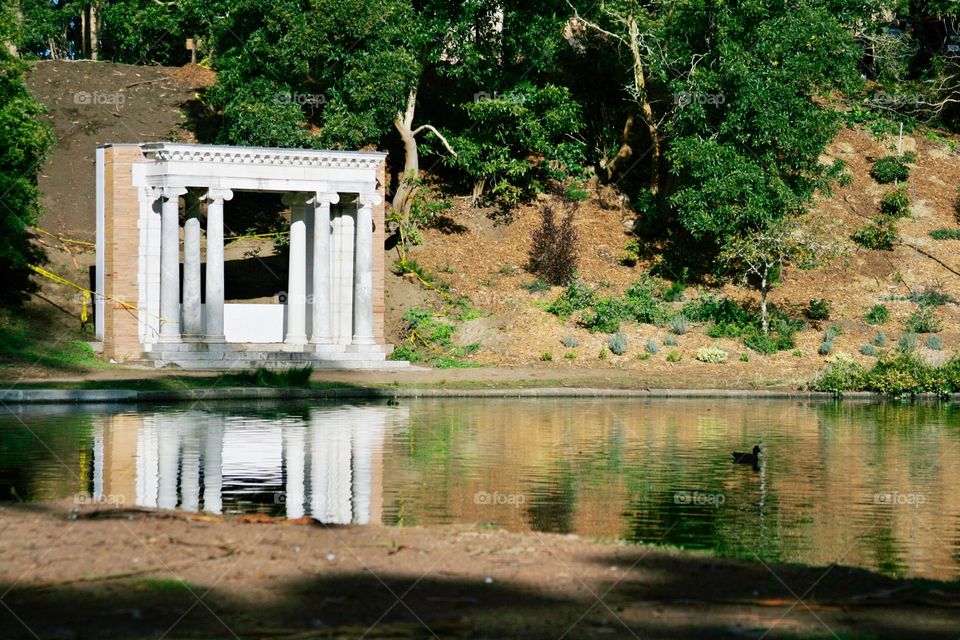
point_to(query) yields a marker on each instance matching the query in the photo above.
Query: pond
(869, 485)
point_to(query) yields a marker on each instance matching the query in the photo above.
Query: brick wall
(121, 338)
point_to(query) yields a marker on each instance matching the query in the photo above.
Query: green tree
(25, 139)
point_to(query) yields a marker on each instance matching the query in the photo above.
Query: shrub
(931, 297)
(575, 193)
(878, 314)
(896, 203)
(617, 343)
(670, 341)
(641, 303)
(818, 309)
(868, 350)
(890, 169)
(826, 348)
(553, 252)
(744, 357)
(537, 286)
(924, 320)
(880, 235)
(831, 333)
(570, 355)
(899, 375)
(674, 356)
(945, 234)
(603, 354)
(678, 326)
(643, 356)
(631, 254)
(546, 356)
(570, 342)
(652, 347)
(674, 292)
(575, 296)
(934, 343)
(879, 340)
(841, 373)
(714, 355)
(767, 344)
(907, 343)
(605, 316)
(263, 377)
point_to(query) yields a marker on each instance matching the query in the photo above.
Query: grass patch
(945, 234)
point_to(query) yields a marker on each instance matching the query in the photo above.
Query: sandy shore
(100, 572)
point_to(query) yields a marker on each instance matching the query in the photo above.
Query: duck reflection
(327, 465)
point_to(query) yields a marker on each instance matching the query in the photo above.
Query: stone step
(197, 364)
(258, 356)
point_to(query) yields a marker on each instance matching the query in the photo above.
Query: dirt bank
(69, 572)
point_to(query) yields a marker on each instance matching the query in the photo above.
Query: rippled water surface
(875, 486)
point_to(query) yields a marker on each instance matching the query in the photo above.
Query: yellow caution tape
(83, 308)
(63, 239)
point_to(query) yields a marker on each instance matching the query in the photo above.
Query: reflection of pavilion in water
(327, 465)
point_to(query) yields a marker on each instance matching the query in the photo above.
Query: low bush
(868, 350)
(896, 203)
(907, 343)
(679, 325)
(570, 355)
(546, 356)
(934, 343)
(945, 234)
(818, 309)
(536, 286)
(631, 254)
(842, 373)
(879, 340)
(575, 297)
(617, 343)
(890, 169)
(880, 235)
(605, 315)
(826, 348)
(652, 347)
(878, 314)
(570, 342)
(924, 320)
(674, 356)
(714, 355)
(831, 333)
(744, 357)
(670, 341)
(642, 303)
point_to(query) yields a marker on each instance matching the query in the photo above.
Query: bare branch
(433, 130)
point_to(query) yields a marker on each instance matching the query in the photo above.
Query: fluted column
(192, 319)
(321, 268)
(363, 275)
(170, 264)
(296, 333)
(215, 285)
(213, 465)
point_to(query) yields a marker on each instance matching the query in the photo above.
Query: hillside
(483, 260)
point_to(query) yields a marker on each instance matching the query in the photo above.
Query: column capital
(217, 193)
(326, 197)
(171, 192)
(369, 199)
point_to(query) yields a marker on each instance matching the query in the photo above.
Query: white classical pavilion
(153, 302)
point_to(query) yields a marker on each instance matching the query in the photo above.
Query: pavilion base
(228, 356)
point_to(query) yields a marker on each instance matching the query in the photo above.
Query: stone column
(170, 264)
(192, 318)
(363, 275)
(322, 285)
(296, 333)
(215, 287)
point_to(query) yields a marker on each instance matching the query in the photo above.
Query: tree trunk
(763, 306)
(625, 152)
(84, 37)
(640, 85)
(94, 29)
(407, 188)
